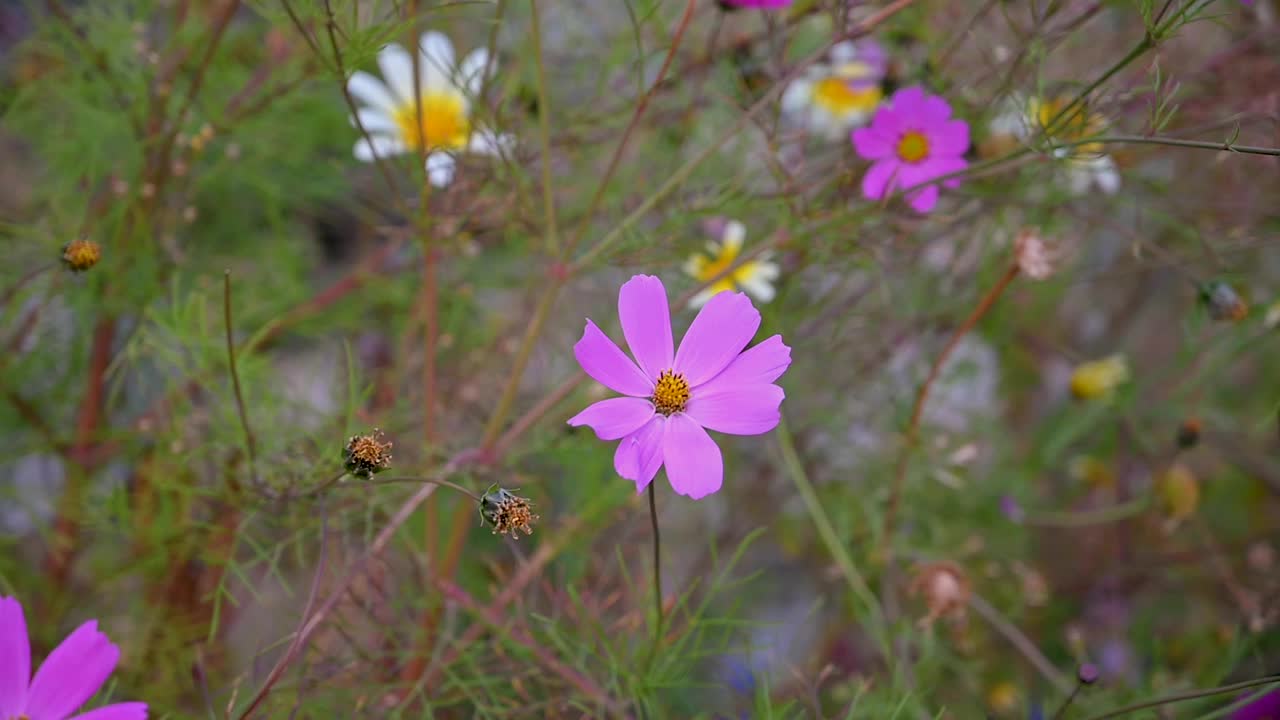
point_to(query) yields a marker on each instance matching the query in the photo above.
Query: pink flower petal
(72, 673)
(934, 110)
(639, 455)
(694, 465)
(608, 365)
(924, 199)
(758, 365)
(744, 410)
(722, 328)
(949, 138)
(615, 417)
(15, 658)
(880, 179)
(646, 323)
(909, 101)
(873, 143)
(118, 711)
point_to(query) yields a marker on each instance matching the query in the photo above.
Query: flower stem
(922, 397)
(1192, 695)
(657, 573)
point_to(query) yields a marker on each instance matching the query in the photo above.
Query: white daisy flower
(438, 116)
(1087, 165)
(754, 277)
(832, 98)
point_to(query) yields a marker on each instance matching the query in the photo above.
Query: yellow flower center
(1077, 124)
(836, 96)
(913, 147)
(671, 393)
(444, 124)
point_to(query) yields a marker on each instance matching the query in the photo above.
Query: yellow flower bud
(1099, 378)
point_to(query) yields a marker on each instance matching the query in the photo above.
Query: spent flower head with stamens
(80, 255)
(507, 512)
(673, 396)
(366, 455)
(436, 118)
(754, 277)
(69, 676)
(911, 140)
(831, 98)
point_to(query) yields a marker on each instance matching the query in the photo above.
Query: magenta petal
(15, 658)
(758, 365)
(608, 365)
(722, 328)
(880, 179)
(646, 323)
(909, 101)
(744, 410)
(949, 138)
(615, 417)
(72, 673)
(872, 143)
(934, 110)
(694, 465)
(924, 199)
(118, 711)
(639, 455)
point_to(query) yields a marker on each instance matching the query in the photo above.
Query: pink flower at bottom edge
(71, 674)
(674, 397)
(769, 4)
(912, 139)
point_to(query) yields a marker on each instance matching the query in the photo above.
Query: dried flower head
(945, 590)
(366, 455)
(1223, 302)
(507, 512)
(1035, 259)
(80, 255)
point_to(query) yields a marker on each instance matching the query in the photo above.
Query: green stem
(657, 573)
(544, 134)
(1192, 695)
(791, 461)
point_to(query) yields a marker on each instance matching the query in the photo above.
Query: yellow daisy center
(444, 124)
(671, 393)
(704, 269)
(1078, 123)
(913, 147)
(837, 97)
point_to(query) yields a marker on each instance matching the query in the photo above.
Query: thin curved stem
(1191, 695)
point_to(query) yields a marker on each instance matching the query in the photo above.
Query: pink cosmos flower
(709, 382)
(912, 139)
(772, 4)
(71, 674)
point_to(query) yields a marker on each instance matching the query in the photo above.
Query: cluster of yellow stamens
(671, 393)
(913, 147)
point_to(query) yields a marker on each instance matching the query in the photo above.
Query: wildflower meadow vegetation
(640, 359)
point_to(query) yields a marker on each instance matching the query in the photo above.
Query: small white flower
(754, 277)
(832, 98)
(437, 117)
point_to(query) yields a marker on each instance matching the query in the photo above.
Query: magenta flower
(912, 139)
(1266, 707)
(71, 674)
(770, 4)
(709, 382)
